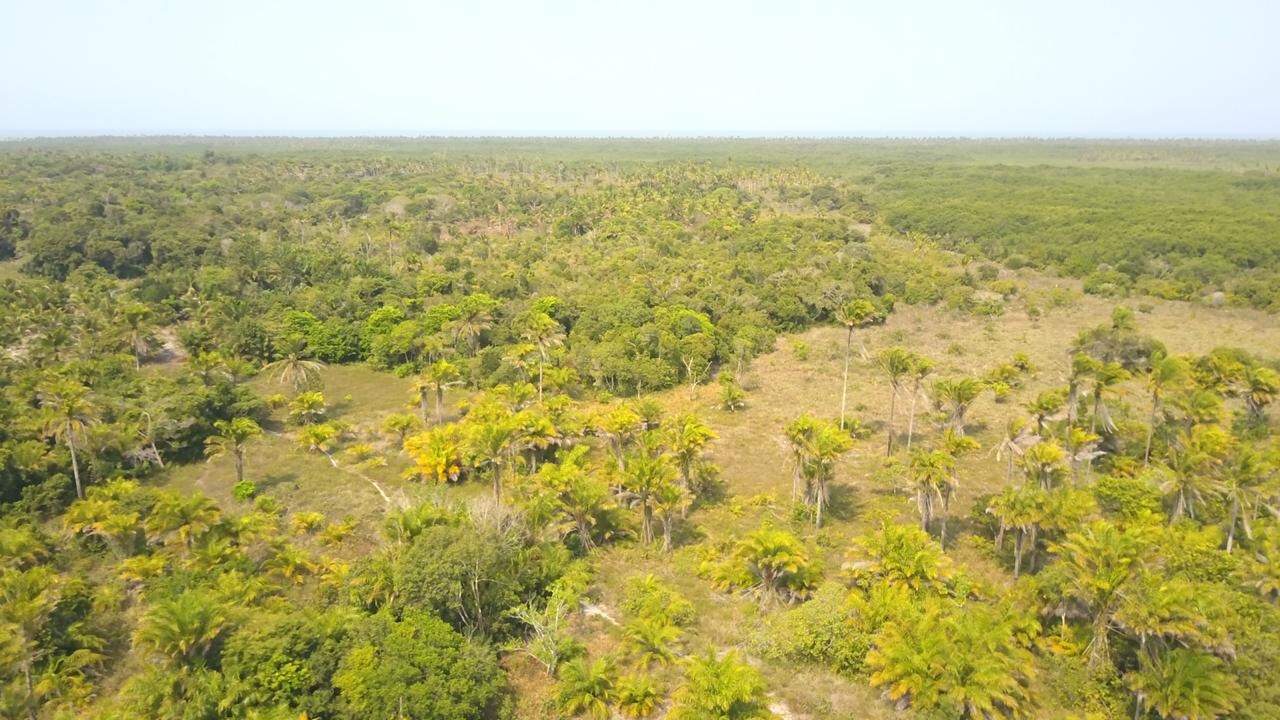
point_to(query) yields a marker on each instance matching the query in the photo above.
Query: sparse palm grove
(675, 430)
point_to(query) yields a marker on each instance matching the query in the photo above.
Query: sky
(994, 68)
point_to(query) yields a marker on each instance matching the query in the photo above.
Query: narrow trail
(385, 498)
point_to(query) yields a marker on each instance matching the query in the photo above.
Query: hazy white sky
(650, 67)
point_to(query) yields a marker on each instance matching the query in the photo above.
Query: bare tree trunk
(1151, 429)
(911, 421)
(893, 402)
(75, 466)
(844, 390)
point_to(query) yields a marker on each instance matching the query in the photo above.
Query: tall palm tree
(1013, 443)
(475, 320)
(1019, 509)
(1106, 376)
(545, 334)
(921, 368)
(955, 396)
(897, 364)
(1046, 406)
(688, 437)
(1167, 372)
(1245, 488)
(69, 411)
(294, 368)
(825, 449)
(932, 474)
(437, 376)
(232, 438)
(852, 315)
(1194, 470)
(28, 599)
(644, 477)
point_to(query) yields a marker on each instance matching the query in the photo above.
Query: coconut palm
(475, 319)
(897, 364)
(232, 438)
(294, 368)
(852, 315)
(69, 412)
(826, 447)
(1193, 474)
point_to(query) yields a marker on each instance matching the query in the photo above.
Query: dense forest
(685, 429)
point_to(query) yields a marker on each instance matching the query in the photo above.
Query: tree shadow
(275, 480)
(843, 502)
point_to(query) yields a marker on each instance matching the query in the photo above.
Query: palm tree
(855, 314)
(28, 599)
(650, 641)
(1193, 473)
(638, 696)
(1261, 388)
(233, 435)
(1167, 372)
(307, 408)
(545, 334)
(800, 433)
(1105, 377)
(688, 436)
(672, 502)
(1020, 509)
(186, 517)
(294, 368)
(586, 688)
(494, 444)
(1046, 407)
(720, 688)
(1013, 443)
(69, 411)
(1082, 367)
(1183, 684)
(825, 449)
(972, 663)
(1043, 464)
(644, 477)
(1098, 563)
(921, 368)
(476, 318)
(183, 629)
(932, 473)
(956, 396)
(1245, 489)
(777, 562)
(896, 363)
(436, 377)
